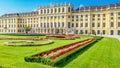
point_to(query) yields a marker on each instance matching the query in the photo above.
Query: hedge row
(60, 59)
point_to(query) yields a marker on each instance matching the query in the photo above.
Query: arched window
(55, 24)
(59, 10)
(69, 9)
(58, 24)
(62, 9)
(68, 24)
(41, 11)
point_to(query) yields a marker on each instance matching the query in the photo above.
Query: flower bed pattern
(62, 36)
(23, 38)
(56, 56)
(26, 43)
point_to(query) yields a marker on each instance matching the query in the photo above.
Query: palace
(63, 18)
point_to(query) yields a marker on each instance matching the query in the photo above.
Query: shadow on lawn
(78, 53)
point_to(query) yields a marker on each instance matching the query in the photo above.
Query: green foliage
(27, 29)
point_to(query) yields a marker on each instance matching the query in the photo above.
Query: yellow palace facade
(62, 19)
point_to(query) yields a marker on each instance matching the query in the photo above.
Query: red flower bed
(63, 36)
(53, 54)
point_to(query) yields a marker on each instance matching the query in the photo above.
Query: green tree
(27, 29)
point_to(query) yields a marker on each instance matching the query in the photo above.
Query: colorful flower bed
(56, 56)
(62, 36)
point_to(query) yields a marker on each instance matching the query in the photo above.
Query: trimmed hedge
(60, 59)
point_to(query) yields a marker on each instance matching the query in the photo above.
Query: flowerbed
(62, 36)
(23, 38)
(26, 43)
(58, 55)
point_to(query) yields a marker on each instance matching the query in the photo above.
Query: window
(111, 24)
(55, 17)
(118, 13)
(69, 9)
(41, 11)
(81, 31)
(81, 24)
(76, 19)
(51, 25)
(111, 32)
(118, 17)
(47, 10)
(103, 18)
(59, 10)
(44, 25)
(68, 16)
(81, 19)
(55, 10)
(118, 32)
(86, 15)
(86, 24)
(51, 10)
(72, 16)
(76, 24)
(98, 18)
(58, 24)
(86, 32)
(62, 16)
(103, 15)
(44, 11)
(62, 9)
(72, 24)
(68, 24)
(118, 24)
(93, 15)
(103, 24)
(81, 15)
(93, 31)
(98, 15)
(111, 18)
(55, 24)
(76, 16)
(112, 14)
(98, 24)
(98, 32)
(93, 24)
(63, 24)
(48, 25)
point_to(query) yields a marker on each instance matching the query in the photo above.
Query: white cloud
(81, 5)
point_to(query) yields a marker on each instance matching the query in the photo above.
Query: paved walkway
(113, 36)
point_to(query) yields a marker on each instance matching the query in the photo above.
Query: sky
(18, 6)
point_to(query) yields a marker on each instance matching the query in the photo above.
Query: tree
(27, 29)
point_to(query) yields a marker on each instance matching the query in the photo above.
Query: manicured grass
(14, 56)
(103, 54)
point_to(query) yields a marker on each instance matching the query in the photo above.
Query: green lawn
(103, 54)
(14, 56)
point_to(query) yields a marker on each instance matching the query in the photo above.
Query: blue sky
(14, 6)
